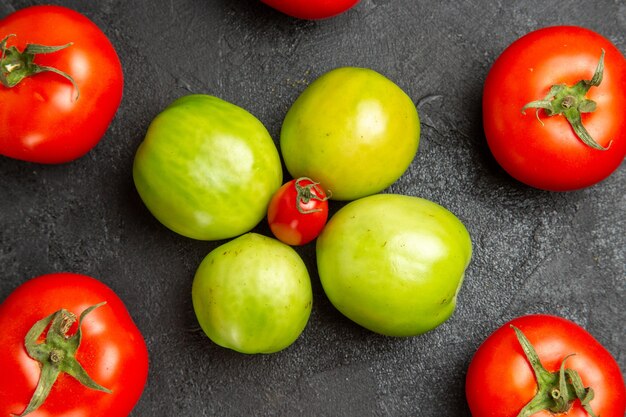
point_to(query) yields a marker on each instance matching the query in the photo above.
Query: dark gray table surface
(534, 251)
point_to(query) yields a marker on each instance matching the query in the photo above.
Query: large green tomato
(352, 130)
(252, 294)
(393, 263)
(207, 169)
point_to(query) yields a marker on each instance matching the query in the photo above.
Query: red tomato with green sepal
(543, 366)
(298, 211)
(70, 347)
(61, 84)
(311, 9)
(553, 108)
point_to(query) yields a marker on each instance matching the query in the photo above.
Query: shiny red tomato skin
(112, 351)
(550, 156)
(40, 118)
(311, 9)
(500, 381)
(289, 225)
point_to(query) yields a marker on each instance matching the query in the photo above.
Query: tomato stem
(16, 65)
(57, 353)
(571, 103)
(305, 194)
(556, 391)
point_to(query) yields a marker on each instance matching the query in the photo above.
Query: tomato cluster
(552, 111)
(348, 136)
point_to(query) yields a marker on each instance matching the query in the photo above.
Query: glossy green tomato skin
(353, 130)
(394, 263)
(207, 168)
(252, 294)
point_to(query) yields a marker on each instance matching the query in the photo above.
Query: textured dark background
(534, 251)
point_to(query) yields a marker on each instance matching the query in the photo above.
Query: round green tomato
(207, 169)
(252, 294)
(353, 130)
(393, 263)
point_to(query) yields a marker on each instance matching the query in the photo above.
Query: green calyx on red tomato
(16, 65)
(57, 354)
(305, 194)
(571, 103)
(557, 390)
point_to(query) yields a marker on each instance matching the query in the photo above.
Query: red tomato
(311, 9)
(544, 151)
(500, 380)
(112, 350)
(298, 211)
(45, 118)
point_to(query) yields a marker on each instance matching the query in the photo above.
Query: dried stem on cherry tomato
(57, 353)
(305, 194)
(571, 103)
(556, 391)
(16, 65)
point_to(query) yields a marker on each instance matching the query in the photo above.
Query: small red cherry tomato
(298, 211)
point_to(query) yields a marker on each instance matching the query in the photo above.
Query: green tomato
(352, 130)
(393, 263)
(207, 169)
(252, 294)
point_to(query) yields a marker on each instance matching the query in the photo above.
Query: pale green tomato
(352, 130)
(393, 263)
(207, 169)
(252, 294)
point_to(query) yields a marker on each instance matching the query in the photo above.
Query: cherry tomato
(311, 9)
(298, 211)
(518, 368)
(552, 71)
(40, 332)
(66, 101)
